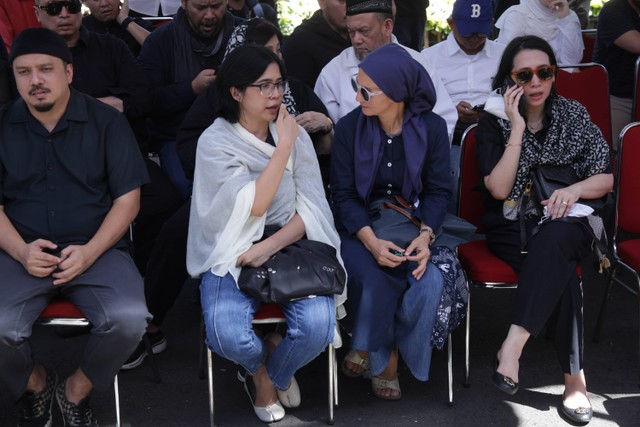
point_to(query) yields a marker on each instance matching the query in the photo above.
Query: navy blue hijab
(402, 79)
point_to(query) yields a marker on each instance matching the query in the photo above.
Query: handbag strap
(398, 209)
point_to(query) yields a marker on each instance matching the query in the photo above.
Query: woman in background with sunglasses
(545, 129)
(392, 145)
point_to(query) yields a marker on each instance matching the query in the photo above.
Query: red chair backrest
(628, 179)
(589, 85)
(62, 308)
(470, 201)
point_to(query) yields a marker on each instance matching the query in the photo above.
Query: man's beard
(43, 108)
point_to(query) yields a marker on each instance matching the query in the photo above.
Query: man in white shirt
(467, 61)
(370, 25)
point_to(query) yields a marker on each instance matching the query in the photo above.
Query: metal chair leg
(466, 342)
(203, 352)
(603, 305)
(332, 380)
(116, 392)
(210, 378)
(450, 369)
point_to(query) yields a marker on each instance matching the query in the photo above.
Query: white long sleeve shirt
(465, 77)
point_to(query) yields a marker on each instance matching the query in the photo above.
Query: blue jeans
(228, 313)
(414, 321)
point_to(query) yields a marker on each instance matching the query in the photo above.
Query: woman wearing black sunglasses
(392, 146)
(545, 129)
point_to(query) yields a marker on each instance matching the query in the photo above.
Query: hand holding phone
(506, 84)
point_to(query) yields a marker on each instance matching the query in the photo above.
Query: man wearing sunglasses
(370, 26)
(104, 67)
(70, 177)
(112, 16)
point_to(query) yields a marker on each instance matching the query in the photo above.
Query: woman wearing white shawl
(253, 170)
(551, 20)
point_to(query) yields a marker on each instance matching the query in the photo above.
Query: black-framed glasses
(54, 8)
(366, 93)
(525, 75)
(267, 89)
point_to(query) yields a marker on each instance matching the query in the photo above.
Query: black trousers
(549, 290)
(167, 267)
(158, 201)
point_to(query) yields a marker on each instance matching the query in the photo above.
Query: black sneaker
(158, 345)
(34, 409)
(80, 415)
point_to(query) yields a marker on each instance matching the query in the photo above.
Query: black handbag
(394, 221)
(303, 269)
(548, 178)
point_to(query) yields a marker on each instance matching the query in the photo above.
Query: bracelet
(432, 235)
(512, 145)
(331, 124)
(125, 22)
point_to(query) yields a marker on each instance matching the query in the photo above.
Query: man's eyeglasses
(54, 8)
(366, 93)
(525, 75)
(267, 89)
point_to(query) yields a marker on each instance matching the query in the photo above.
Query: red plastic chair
(272, 314)
(626, 253)
(589, 85)
(62, 312)
(481, 266)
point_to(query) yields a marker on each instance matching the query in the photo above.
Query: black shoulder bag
(304, 269)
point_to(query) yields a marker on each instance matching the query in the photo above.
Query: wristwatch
(125, 22)
(432, 235)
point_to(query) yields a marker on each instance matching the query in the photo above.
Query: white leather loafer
(290, 398)
(266, 414)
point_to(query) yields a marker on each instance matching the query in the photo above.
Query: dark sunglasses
(366, 93)
(525, 75)
(54, 8)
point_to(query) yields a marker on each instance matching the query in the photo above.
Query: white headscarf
(530, 17)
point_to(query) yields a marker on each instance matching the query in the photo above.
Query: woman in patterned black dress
(544, 129)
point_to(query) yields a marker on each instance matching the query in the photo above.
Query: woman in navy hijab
(392, 145)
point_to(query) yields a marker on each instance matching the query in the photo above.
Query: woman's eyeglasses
(267, 89)
(54, 8)
(525, 75)
(366, 93)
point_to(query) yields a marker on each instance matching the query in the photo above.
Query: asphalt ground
(181, 399)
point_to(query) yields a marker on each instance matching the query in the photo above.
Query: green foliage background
(292, 12)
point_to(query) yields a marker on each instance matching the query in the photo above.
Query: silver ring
(564, 202)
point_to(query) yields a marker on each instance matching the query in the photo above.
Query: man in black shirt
(70, 177)
(109, 16)
(106, 69)
(317, 41)
(103, 65)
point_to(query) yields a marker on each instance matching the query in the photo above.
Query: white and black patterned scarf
(571, 139)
